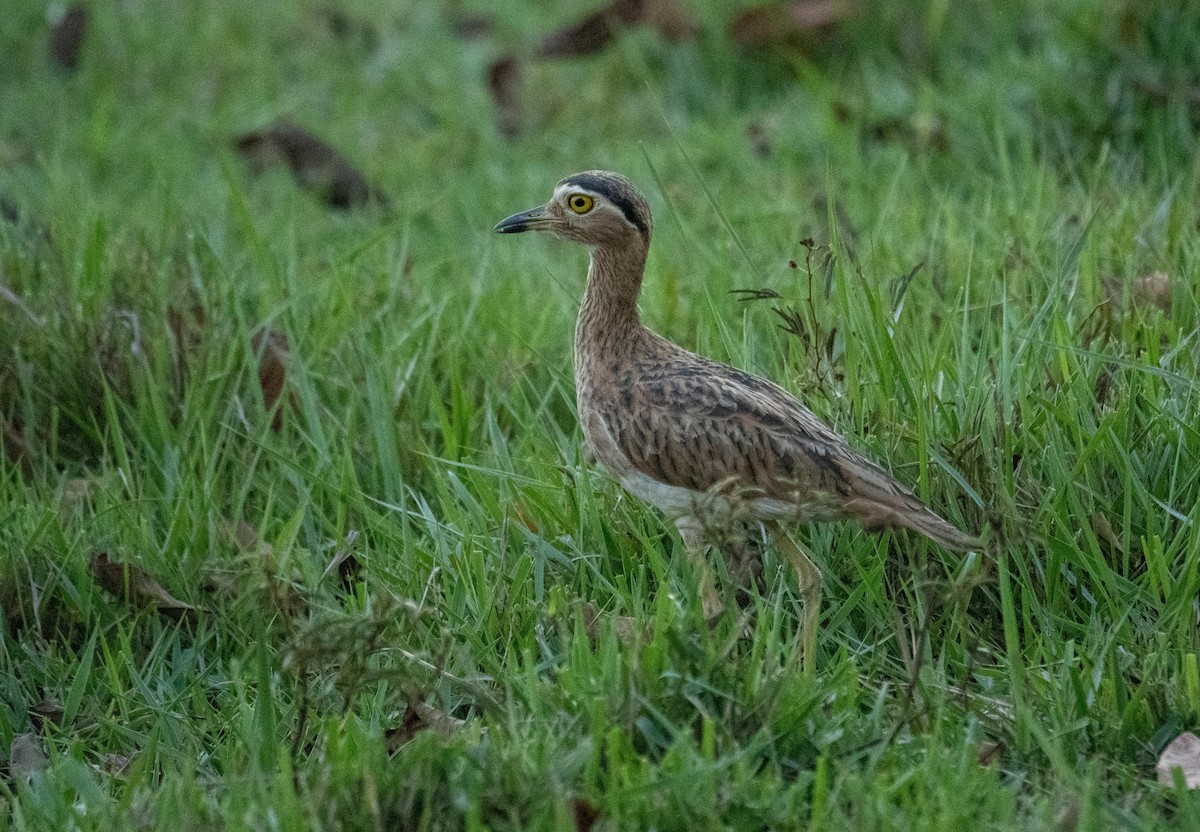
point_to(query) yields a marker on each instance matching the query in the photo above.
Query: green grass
(1020, 151)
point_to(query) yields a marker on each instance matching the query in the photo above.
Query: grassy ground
(1036, 158)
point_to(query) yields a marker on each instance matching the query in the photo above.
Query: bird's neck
(608, 317)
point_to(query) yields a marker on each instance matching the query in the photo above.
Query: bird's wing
(703, 425)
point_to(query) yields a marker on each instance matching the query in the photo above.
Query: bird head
(596, 208)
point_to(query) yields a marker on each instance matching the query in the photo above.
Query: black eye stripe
(622, 202)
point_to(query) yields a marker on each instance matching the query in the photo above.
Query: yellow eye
(581, 203)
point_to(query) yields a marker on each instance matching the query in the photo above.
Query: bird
(709, 445)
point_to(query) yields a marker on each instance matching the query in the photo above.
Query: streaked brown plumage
(708, 444)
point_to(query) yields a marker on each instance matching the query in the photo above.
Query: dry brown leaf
(187, 327)
(756, 26)
(595, 32)
(1149, 290)
(26, 757)
(524, 517)
(421, 717)
(439, 721)
(274, 352)
(1153, 289)
(504, 81)
(282, 592)
(670, 18)
(817, 14)
(759, 26)
(66, 37)
(115, 765)
(1104, 531)
(221, 583)
(989, 752)
(1182, 753)
(241, 534)
(48, 710)
(76, 490)
(314, 163)
(584, 813)
(136, 587)
(1067, 819)
(587, 37)
(626, 627)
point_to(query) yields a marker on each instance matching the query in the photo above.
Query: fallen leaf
(76, 490)
(625, 627)
(399, 735)
(762, 25)
(282, 592)
(670, 18)
(441, 722)
(587, 37)
(817, 14)
(26, 757)
(66, 37)
(1150, 290)
(1067, 819)
(524, 517)
(221, 583)
(48, 710)
(314, 163)
(115, 765)
(988, 752)
(136, 587)
(187, 327)
(241, 534)
(504, 80)
(1182, 753)
(421, 717)
(1104, 532)
(584, 813)
(595, 32)
(274, 352)
(1153, 289)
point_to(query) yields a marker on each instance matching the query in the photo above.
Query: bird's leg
(809, 577)
(696, 546)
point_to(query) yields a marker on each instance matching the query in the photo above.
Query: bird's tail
(879, 502)
(939, 531)
(901, 509)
